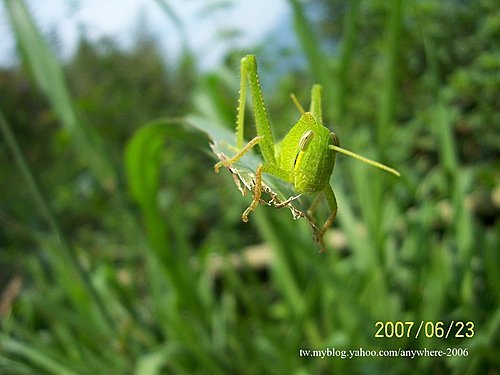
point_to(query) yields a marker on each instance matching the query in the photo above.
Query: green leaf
(143, 158)
(279, 193)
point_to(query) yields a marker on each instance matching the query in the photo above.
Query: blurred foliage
(121, 249)
(447, 45)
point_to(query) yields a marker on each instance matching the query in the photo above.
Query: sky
(120, 19)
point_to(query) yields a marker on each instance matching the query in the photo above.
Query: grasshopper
(306, 157)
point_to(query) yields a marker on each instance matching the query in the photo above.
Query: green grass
(148, 298)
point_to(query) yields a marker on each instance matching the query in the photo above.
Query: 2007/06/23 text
(399, 329)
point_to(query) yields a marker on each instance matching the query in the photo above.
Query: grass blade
(49, 216)
(49, 77)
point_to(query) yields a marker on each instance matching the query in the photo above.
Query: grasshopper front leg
(239, 155)
(257, 193)
(257, 190)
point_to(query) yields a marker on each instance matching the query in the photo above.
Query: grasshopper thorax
(306, 156)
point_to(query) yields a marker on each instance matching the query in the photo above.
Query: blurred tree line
(115, 91)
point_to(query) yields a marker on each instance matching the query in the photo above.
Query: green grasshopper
(307, 153)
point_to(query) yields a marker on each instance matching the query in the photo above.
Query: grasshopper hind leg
(332, 203)
(313, 206)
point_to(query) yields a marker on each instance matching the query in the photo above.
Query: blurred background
(122, 250)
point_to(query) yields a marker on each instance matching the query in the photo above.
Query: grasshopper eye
(305, 139)
(335, 139)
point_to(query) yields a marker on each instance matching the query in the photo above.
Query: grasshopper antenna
(373, 163)
(297, 104)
